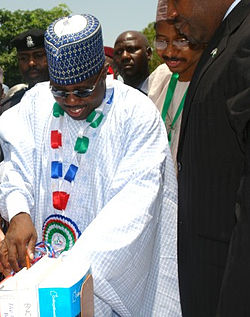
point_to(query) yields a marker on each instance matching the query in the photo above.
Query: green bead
(91, 116)
(81, 145)
(57, 110)
(97, 122)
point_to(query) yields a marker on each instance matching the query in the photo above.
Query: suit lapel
(214, 49)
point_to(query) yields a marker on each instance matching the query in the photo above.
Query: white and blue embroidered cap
(74, 48)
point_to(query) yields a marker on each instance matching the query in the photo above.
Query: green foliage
(13, 23)
(149, 32)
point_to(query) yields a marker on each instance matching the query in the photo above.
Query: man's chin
(129, 71)
(78, 114)
(32, 81)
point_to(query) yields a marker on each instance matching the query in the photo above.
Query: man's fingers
(19, 241)
(22, 252)
(5, 267)
(6, 271)
(4, 261)
(31, 247)
(13, 255)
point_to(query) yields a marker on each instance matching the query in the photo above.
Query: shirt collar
(143, 87)
(233, 5)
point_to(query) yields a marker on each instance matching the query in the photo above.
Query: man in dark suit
(210, 156)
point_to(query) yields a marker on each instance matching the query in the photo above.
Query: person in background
(213, 233)
(132, 54)
(109, 53)
(169, 82)
(32, 64)
(90, 171)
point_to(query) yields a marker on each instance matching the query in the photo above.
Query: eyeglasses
(77, 93)
(179, 44)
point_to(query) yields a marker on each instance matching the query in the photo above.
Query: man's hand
(19, 240)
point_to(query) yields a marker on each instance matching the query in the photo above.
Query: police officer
(32, 62)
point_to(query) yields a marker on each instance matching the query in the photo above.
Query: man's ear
(149, 52)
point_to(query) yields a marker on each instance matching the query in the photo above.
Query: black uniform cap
(29, 40)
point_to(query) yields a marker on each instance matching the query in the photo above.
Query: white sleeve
(20, 135)
(18, 148)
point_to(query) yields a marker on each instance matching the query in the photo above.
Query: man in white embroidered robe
(122, 202)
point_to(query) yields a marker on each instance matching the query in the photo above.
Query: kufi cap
(161, 13)
(74, 48)
(29, 40)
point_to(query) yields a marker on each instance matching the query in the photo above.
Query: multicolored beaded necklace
(63, 185)
(58, 229)
(61, 196)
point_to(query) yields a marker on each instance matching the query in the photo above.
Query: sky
(116, 16)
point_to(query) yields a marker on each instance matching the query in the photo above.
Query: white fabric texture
(158, 82)
(124, 199)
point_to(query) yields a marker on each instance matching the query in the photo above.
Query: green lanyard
(167, 102)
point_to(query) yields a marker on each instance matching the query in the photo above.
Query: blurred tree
(149, 32)
(13, 23)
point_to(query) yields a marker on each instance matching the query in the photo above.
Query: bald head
(132, 54)
(133, 35)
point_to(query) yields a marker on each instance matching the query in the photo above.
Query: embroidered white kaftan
(123, 201)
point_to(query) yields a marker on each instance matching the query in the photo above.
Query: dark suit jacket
(210, 163)
(234, 295)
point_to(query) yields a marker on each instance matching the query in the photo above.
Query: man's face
(197, 19)
(131, 57)
(33, 66)
(76, 107)
(177, 54)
